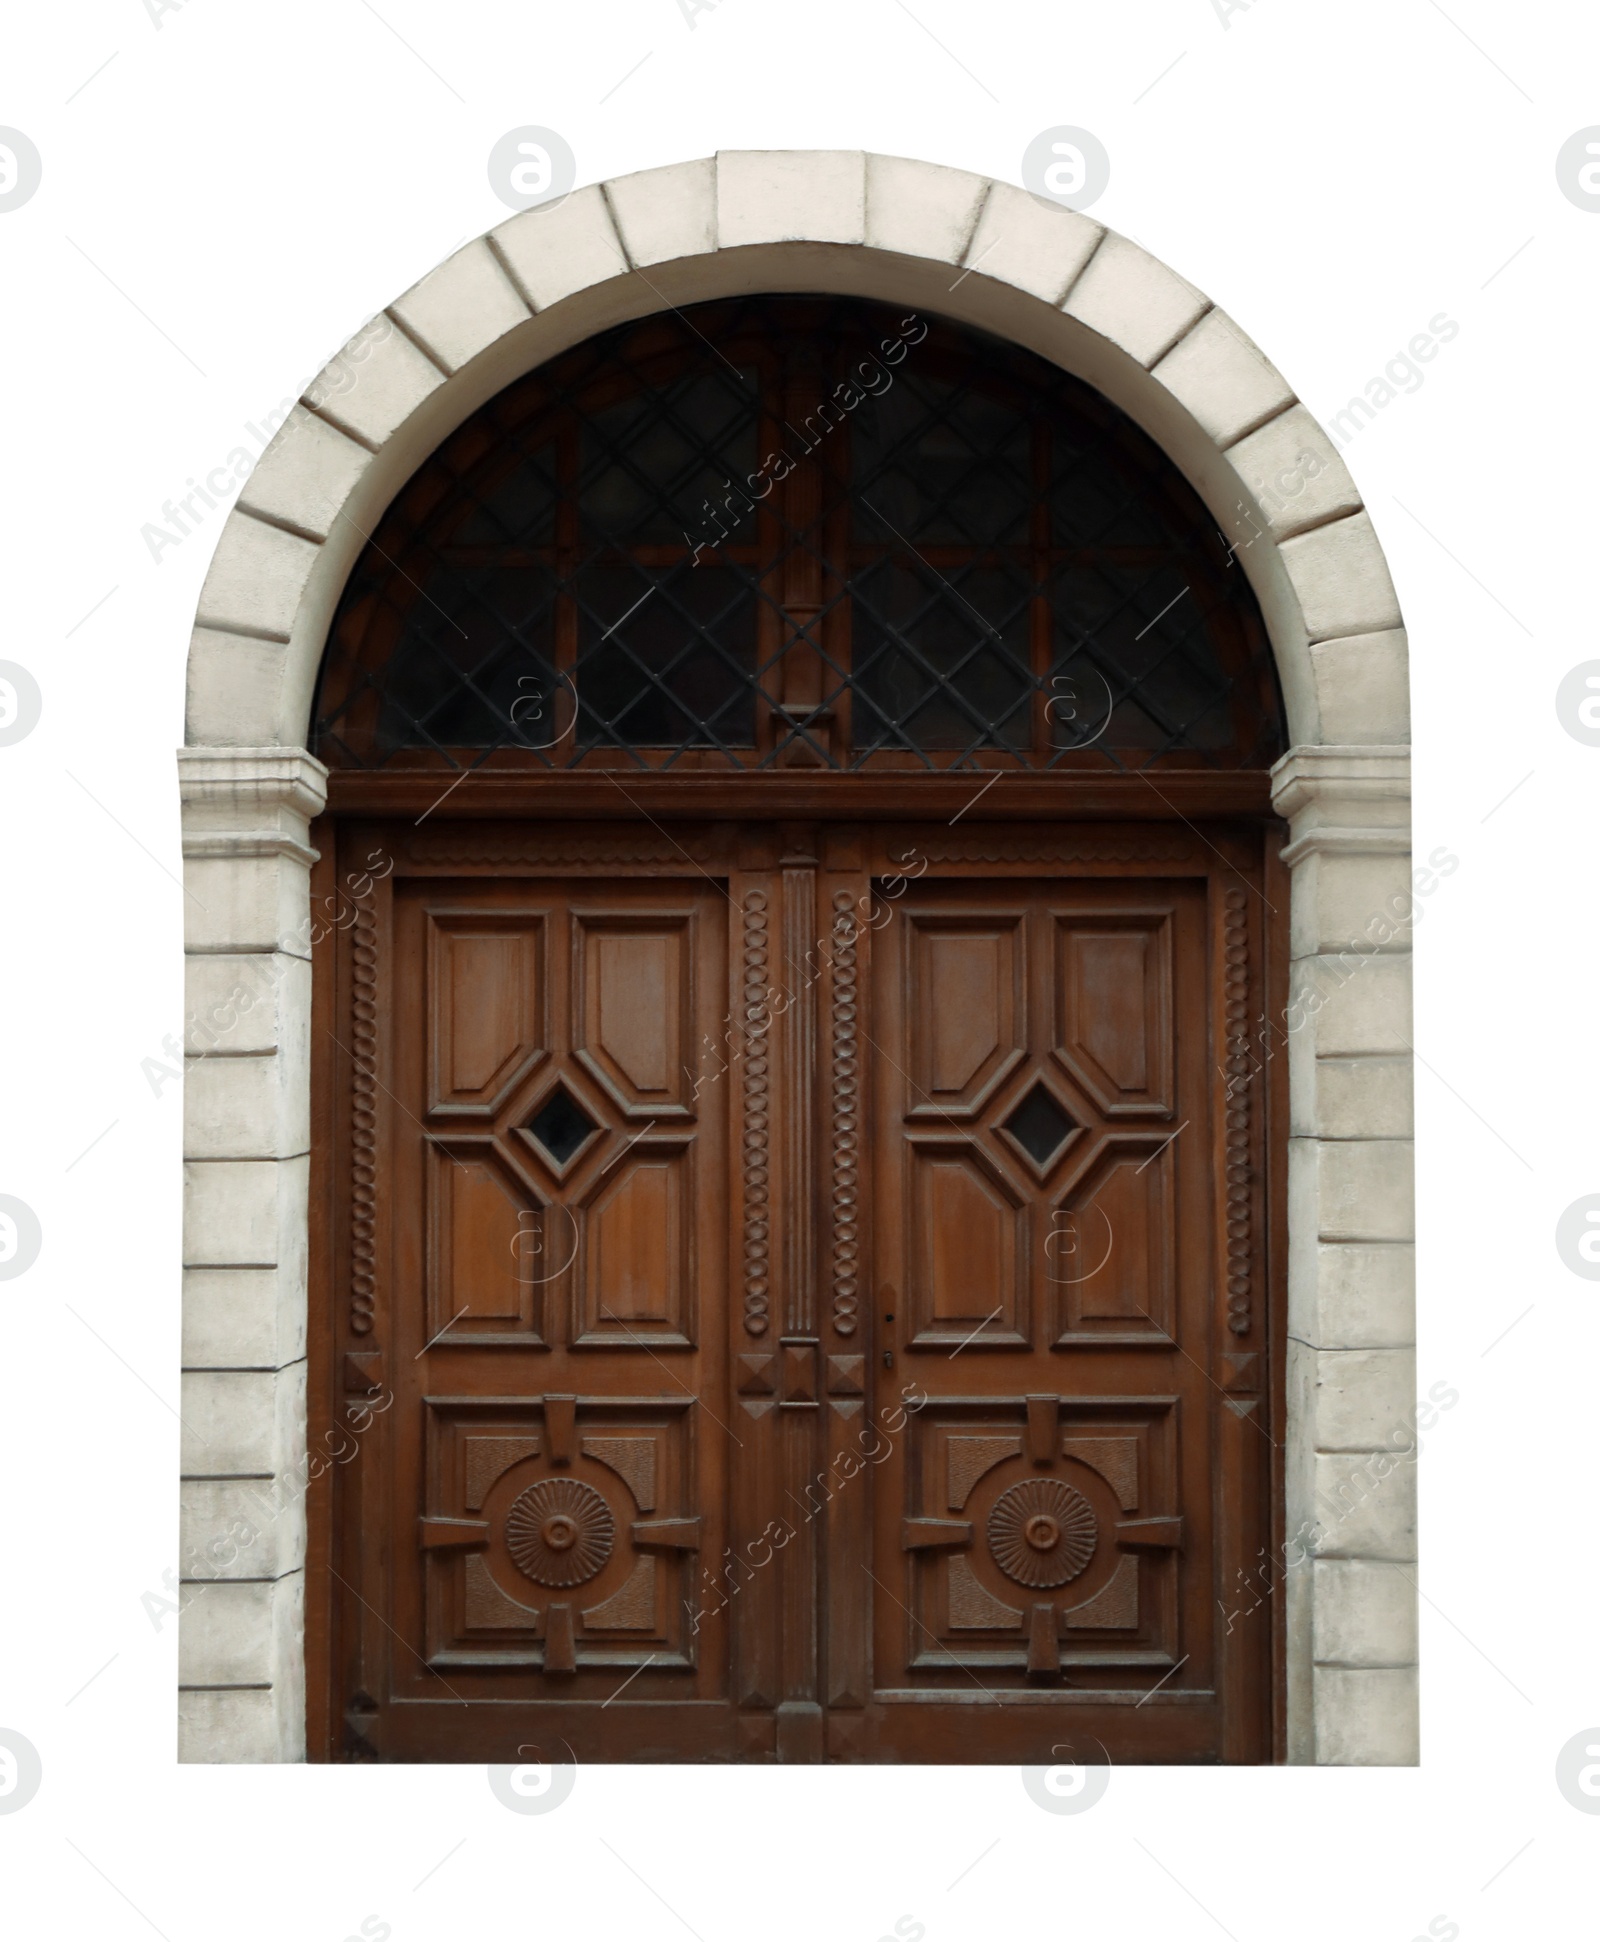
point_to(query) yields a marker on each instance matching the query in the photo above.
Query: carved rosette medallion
(560, 1532)
(1042, 1532)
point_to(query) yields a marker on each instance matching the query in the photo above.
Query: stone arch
(983, 253)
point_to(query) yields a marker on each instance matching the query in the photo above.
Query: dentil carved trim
(757, 1122)
(846, 1117)
(363, 1129)
(1236, 1002)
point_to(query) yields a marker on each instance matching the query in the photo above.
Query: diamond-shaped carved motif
(561, 1126)
(1039, 1125)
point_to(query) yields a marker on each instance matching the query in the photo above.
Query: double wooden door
(794, 1292)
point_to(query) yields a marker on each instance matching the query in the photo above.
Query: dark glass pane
(561, 1126)
(940, 662)
(664, 465)
(1039, 1126)
(937, 463)
(518, 508)
(1095, 501)
(1135, 644)
(476, 646)
(666, 659)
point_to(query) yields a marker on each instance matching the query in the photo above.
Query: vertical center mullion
(800, 674)
(1039, 608)
(569, 539)
(800, 1208)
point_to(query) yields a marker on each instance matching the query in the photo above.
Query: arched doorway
(884, 907)
(806, 1174)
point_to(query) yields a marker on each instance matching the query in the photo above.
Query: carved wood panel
(551, 1184)
(797, 1290)
(1048, 1211)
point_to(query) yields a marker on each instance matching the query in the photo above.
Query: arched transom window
(797, 532)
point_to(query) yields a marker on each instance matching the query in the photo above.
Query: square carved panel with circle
(1041, 1534)
(559, 1533)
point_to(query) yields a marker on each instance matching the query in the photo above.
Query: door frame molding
(1091, 302)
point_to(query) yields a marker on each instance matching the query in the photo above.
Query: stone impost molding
(982, 253)
(250, 801)
(1349, 801)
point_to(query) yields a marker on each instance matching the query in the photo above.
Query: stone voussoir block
(1223, 380)
(1296, 478)
(790, 195)
(373, 386)
(664, 214)
(462, 307)
(918, 209)
(305, 475)
(1363, 687)
(1341, 579)
(1031, 244)
(234, 684)
(556, 249)
(1137, 303)
(257, 576)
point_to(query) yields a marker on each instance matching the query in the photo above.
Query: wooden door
(1062, 1211)
(795, 1291)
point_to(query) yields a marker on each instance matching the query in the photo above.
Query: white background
(223, 203)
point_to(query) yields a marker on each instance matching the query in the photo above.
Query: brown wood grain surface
(794, 1290)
